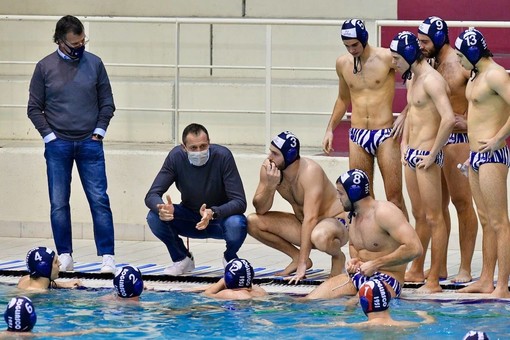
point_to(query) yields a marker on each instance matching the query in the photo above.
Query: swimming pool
(173, 315)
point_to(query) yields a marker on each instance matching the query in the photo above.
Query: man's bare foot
(443, 274)
(412, 276)
(429, 288)
(479, 286)
(291, 268)
(337, 265)
(462, 277)
(501, 293)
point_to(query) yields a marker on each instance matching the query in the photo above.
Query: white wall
(131, 168)
(145, 96)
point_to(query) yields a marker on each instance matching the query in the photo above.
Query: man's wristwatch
(97, 135)
(214, 214)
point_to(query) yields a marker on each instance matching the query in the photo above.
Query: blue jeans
(89, 157)
(232, 229)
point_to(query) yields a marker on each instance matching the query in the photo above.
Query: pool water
(174, 315)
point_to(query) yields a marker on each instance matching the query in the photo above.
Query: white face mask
(198, 158)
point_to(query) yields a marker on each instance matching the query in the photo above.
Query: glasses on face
(78, 44)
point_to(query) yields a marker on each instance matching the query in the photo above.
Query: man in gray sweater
(71, 104)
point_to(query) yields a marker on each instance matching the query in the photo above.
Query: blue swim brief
(476, 159)
(370, 140)
(411, 157)
(457, 138)
(358, 280)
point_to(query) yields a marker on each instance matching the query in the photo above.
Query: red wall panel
(498, 10)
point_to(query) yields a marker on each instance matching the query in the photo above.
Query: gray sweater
(217, 183)
(70, 98)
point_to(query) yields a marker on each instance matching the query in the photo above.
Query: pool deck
(206, 253)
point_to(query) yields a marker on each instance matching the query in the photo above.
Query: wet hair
(195, 129)
(65, 25)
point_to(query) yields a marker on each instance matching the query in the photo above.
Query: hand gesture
(166, 210)
(206, 217)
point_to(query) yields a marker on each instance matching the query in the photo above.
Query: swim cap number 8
(356, 184)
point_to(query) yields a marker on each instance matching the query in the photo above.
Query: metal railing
(177, 66)
(267, 67)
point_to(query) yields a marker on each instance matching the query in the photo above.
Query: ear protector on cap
(20, 314)
(471, 43)
(436, 29)
(354, 29)
(128, 282)
(40, 262)
(238, 274)
(356, 184)
(288, 144)
(374, 296)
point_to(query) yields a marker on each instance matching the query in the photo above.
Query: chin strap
(351, 215)
(357, 65)
(474, 73)
(407, 75)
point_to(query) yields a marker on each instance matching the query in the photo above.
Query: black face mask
(75, 52)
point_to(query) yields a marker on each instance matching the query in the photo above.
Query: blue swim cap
(475, 335)
(128, 282)
(356, 184)
(288, 144)
(238, 274)
(436, 29)
(20, 315)
(472, 45)
(40, 262)
(374, 296)
(406, 44)
(355, 29)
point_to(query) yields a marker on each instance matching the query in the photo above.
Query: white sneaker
(66, 262)
(181, 267)
(108, 264)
